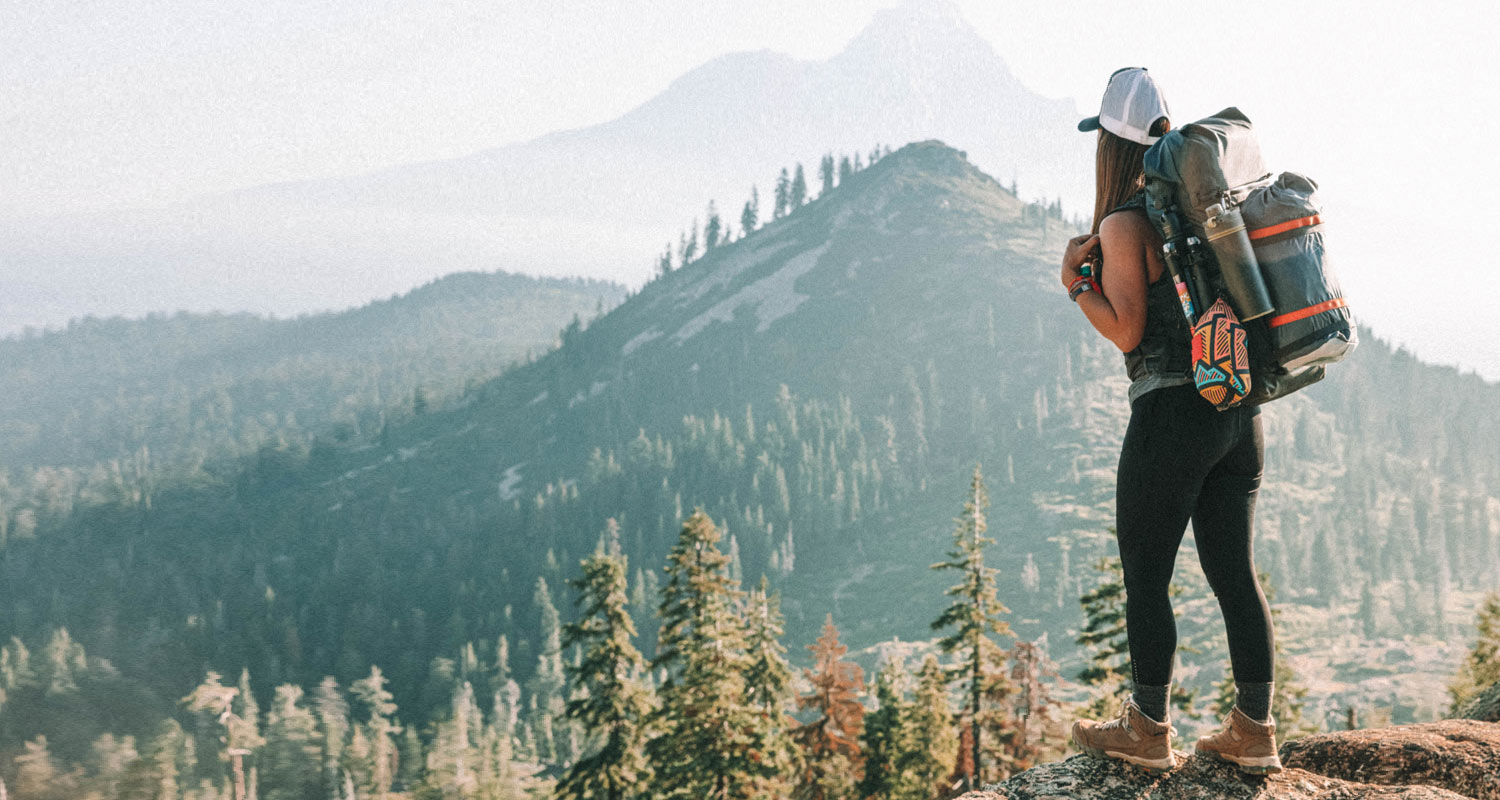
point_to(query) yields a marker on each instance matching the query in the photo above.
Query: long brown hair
(1117, 169)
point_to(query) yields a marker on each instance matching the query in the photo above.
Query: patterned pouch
(1221, 360)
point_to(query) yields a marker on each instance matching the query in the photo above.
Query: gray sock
(1254, 699)
(1152, 700)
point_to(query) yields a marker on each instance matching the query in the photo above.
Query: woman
(1181, 459)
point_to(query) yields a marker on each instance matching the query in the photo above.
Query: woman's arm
(1119, 313)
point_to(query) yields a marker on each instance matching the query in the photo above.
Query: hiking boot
(1245, 742)
(1132, 737)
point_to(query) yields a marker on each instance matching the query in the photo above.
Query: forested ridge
(821, 388)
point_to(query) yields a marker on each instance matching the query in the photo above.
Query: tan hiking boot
(1132, 737)
(1250, 744)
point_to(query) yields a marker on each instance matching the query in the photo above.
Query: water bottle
(1240, 271)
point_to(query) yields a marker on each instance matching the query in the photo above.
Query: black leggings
(1184, 460)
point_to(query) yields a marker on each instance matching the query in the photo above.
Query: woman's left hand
(1078, 251)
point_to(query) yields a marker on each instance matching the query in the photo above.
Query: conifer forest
(821, 511)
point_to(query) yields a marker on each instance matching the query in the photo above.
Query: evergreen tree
(783, 195)
(712, 229)
(1481, 669)
(455, 759)
(664, 261)
(548, 682)
(38, 776)
(379, 732)
(884, 734)
(846, 168)
(240, 737)
(797, 195)
(768, 687)
(975, 614)
(750, 216)
(612, 704)
(333, 719)
(294, 748)
(825, 172)
(701, 750)
(929, 749)
(830, 741)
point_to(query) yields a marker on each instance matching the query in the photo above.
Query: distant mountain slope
(823, 387)
(190, 387)
(598, 201)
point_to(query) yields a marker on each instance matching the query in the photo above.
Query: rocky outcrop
(1086, 778)
(1457, 754)
(1484, 707)
(1455, 758)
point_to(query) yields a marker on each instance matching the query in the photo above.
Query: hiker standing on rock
(1181, 459)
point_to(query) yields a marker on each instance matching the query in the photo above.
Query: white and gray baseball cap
(1132, 103)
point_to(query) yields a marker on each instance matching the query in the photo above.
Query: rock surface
(1085, 778)
(1458, 754)
(1485, 707)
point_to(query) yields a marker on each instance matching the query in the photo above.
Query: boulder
(1086, 778)
(1484, 707)
(1461, 755)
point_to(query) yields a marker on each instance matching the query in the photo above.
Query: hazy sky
(107, 104)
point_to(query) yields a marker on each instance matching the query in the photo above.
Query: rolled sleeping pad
(1312, 323)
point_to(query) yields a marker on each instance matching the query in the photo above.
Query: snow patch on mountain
(773, 296)
(730, 267)
(640, 339)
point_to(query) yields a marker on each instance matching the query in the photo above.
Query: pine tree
(612, 704)
(768, 688)
(750, 216)
(379, 731)
(929, 751)
(1481, 669)
(1108, 647)
(830, 741)
(333, 719)
(293, 750)
(846, 168)
(548, 682)
(712, 229)
(664, 261)
(975, 614)
(825, 172)
(455, 759)
(38, 776)
(701, 749)
(884, 734)
(783, 195)
(240, 737)
(798, 193)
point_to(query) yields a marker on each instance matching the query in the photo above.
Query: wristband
(1081, 284)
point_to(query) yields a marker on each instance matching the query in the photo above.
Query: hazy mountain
(823, 387)
(185, 388)
(600, 201)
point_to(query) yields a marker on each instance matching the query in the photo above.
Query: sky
(115, 105)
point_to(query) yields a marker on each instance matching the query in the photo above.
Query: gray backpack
(1234, 230)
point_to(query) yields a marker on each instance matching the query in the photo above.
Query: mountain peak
(931, 33)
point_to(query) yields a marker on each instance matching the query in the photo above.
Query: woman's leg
(1160, 470)
(1223, 523)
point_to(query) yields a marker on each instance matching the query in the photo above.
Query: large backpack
(1201, 180)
